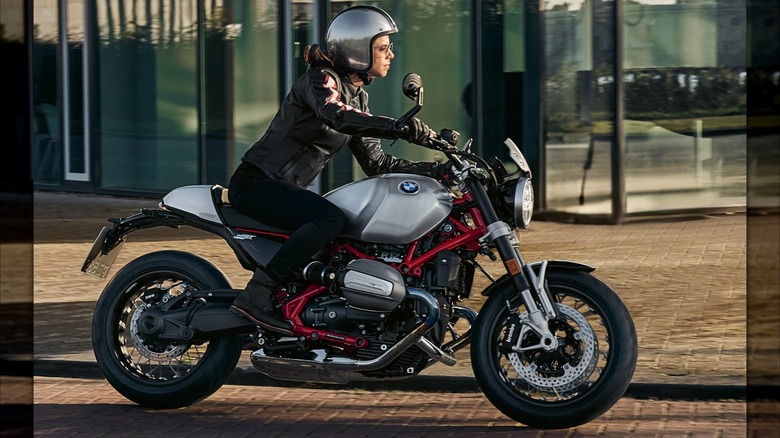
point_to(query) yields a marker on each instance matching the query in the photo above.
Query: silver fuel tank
(393, 208)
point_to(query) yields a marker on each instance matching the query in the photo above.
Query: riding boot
(256, 303)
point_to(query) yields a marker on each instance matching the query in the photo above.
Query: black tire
(159, 376)
(540, 392)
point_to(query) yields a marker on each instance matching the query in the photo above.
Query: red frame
(410, 266)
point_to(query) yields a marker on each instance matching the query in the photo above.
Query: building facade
(623, 107)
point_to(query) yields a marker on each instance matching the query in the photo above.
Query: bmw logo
(409, 187)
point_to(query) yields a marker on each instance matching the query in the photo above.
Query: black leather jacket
(317, 118)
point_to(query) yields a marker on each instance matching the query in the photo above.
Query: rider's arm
(323, 96)
(373, 160)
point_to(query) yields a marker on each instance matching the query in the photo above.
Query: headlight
(524, 202)
(518, 200)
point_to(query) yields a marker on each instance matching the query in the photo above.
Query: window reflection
(147, 94)
(181, 103)
(685, 104)
(579, 94)
(47, 144)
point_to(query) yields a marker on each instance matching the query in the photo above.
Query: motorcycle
(552, 346)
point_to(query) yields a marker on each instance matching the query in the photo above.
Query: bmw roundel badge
(409, 187)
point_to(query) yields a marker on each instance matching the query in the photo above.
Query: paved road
(76, 407)
(683, 280)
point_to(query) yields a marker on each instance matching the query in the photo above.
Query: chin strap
(364, 77)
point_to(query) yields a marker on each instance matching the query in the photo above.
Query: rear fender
(552, 265)
(146, 218)
(152, 218)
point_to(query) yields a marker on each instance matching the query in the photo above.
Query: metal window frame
(65, 111)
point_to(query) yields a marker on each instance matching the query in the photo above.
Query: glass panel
(684, 76)
(578, 95)
(256, 61)
(148, 92)
(514, 70)
(75, 121)
(47, 153)
(240, 85)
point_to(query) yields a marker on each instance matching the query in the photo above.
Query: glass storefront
(685, 104)
(579, 109)
(241, 81)
(147, 88)
(185, 88)
(144, 96)
(47, 143)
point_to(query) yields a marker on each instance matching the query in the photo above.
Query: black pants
(316, 220)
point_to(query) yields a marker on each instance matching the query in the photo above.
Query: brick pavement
(74, 407)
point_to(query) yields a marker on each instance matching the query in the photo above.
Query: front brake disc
(571, 374)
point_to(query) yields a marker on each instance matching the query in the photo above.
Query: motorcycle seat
(235, 219)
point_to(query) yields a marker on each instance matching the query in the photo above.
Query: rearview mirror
(412, 85)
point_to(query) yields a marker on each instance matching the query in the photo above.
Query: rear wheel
(571, 385)
(153, 372)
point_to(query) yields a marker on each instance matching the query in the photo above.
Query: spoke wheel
(149, 370)
(143, 355)
(581, 378)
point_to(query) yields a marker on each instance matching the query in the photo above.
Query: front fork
(537, 299)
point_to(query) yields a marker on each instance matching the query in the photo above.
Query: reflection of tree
(685, 92)
(650, 94)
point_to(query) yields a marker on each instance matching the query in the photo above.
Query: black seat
(236, 219)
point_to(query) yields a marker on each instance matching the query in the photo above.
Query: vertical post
(476, 69)
(200, 94)
(533, 103)
(320, 21)
(487, 82)
(285, 50)
(319, 28)
(617, 155)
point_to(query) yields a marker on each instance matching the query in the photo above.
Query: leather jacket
(317, 118)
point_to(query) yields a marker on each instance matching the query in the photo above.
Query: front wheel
(156, 372)
(571, 385)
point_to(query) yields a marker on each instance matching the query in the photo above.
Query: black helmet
(351, 34)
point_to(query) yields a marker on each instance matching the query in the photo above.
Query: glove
(415, 131)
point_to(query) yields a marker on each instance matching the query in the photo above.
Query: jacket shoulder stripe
(333, 97)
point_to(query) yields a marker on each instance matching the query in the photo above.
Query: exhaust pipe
(443, 354)
(342, 369)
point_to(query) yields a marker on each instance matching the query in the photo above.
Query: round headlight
(516, 204)
(524, 202)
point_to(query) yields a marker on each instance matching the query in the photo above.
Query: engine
(367, 299)
(369, 291)
(372, 285)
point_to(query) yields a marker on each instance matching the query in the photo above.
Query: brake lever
(436, 143)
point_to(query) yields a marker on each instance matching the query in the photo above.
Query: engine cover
(371, 285)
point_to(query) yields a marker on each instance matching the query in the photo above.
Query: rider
(326, 108)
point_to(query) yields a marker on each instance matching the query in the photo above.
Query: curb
(420, 383)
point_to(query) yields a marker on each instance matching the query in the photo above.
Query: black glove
(415, 131)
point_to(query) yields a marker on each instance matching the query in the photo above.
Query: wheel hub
(570, 364)
(144, 326)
